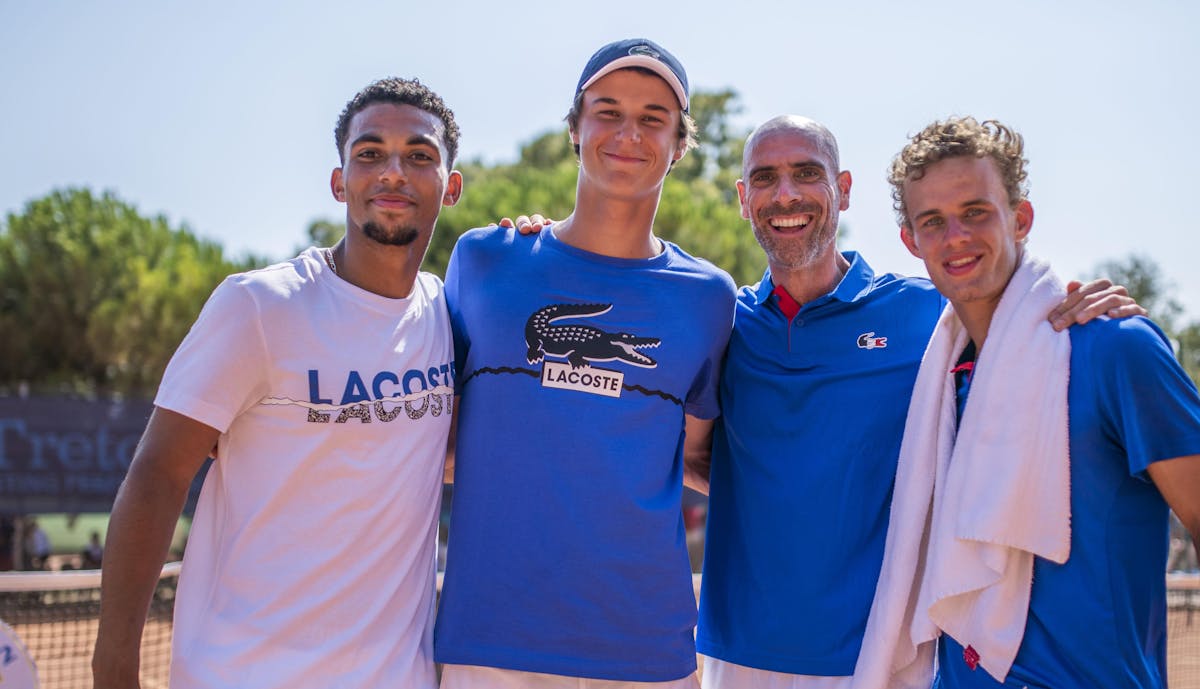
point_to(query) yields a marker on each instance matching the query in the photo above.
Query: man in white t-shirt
(323, 388)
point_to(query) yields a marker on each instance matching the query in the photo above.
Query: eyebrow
(965, 204)
(605, 100)
(790, 166)
(414, 140)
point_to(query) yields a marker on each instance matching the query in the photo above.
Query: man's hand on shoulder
(1085, 302)
(527, 224)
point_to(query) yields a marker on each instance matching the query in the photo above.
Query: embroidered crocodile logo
(581, 344)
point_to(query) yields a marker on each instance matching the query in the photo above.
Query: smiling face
(395, 179)
(962, 224)
(628, 134)
(792, 193)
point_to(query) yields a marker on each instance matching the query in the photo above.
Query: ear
(741, 189)
(336, 185)
(910, 241)
(680, 151)
(844, 180)
(454, 186)
(1024, 213)
(574, 135)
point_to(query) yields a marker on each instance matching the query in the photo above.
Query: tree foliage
(1147, 284)
(94, 298)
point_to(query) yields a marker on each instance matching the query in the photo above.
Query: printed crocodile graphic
(580, 344)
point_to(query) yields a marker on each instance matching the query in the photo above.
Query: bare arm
(697, 452)
(1179, 482)
(451, 442)
(1085, 302)
(171, 451)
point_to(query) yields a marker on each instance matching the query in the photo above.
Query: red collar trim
(790, 307)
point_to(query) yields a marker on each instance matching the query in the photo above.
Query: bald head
(791, 124)
(792, 191)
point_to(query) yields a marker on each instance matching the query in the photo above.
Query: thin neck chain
(329, 259)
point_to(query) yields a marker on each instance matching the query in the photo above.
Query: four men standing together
(589, 367)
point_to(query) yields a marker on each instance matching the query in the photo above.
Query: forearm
(695, 473)
(697, 453)
(451, 442)
(139, 534)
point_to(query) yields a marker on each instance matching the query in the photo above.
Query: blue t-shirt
(804, 459)
(1099, 620)
(566, 552)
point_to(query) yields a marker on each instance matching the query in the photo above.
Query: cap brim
(645, 62)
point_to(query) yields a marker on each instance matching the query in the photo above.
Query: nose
(631, 131)
(956, 231)
(392, 171)
(787, 190)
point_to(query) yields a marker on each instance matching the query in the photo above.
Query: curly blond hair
(960, 136)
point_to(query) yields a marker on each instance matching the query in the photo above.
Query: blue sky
(220, 114)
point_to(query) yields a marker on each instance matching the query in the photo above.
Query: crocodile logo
(582, 344)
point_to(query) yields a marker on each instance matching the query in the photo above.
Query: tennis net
(56, 614)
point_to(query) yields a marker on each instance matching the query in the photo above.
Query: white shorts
(478, 677)
(719, 674)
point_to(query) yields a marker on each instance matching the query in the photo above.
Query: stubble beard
(399, 235)
(796, 253)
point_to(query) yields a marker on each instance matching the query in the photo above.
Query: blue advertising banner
(62, 454)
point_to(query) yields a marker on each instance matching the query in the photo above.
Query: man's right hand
(527, 224)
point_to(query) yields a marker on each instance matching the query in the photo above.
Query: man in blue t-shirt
(587, 362)
(813, 395)
(1096, 613)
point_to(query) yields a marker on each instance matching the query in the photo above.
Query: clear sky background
(220, 114)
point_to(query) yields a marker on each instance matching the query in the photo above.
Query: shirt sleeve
(702, 400)
(462, 340)
(220, 368)
(1150, 404)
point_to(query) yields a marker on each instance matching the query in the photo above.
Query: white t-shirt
(311, 559)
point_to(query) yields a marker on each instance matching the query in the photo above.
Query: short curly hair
(400, 92)
(960, 136)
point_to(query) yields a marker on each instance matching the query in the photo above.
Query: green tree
(95, 297)
(323, 232)
(1147, 284)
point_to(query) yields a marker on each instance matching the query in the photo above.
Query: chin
(395, 236)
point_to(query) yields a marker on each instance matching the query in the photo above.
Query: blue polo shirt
(1099, 620)
(804, 458)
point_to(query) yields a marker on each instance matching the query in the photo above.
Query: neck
(811, 282)
(976, 317)
(976, 314)
(388, 271)
(622, 228)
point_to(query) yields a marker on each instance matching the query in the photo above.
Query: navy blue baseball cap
(636, 52)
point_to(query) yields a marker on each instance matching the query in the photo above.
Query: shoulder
(915, 288)
(703, 269)
(491, 237)
(430, 286)
(1109, 340)
(914, 300)
(484, 246)
(279, 279)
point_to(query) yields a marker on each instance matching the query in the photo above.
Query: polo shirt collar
(854, 285)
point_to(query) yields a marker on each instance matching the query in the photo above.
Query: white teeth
(961, 262)
(791, 222)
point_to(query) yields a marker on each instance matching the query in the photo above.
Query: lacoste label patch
(869, 341)
(595, 381)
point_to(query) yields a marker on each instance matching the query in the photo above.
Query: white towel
(1000, 492)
